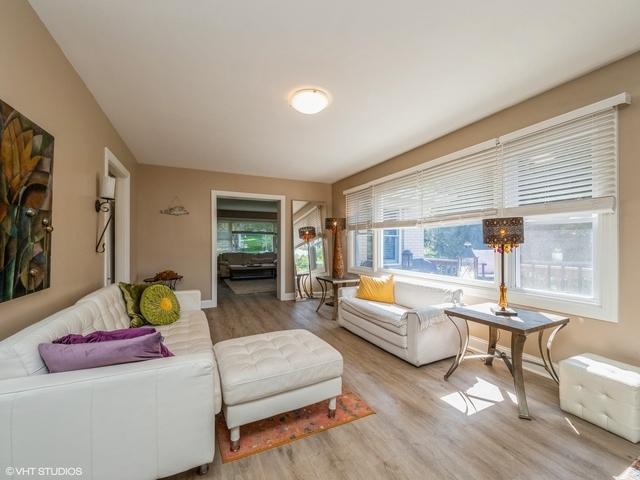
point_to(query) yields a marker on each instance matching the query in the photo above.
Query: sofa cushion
(259, 366)
(111, 313)
(159, 305)
(132, 294)
(387, 315)
(190, 334)
(395, 336)
(376, 289)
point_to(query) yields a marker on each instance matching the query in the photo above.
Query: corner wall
(614, 340)
(37, 80)
(183, 244)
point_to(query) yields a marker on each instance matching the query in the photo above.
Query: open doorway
(118, 235)
(247, 244)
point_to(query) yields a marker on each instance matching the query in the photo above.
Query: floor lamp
(336, 226)
(307, 234)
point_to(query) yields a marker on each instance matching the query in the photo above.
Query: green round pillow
(159, 305)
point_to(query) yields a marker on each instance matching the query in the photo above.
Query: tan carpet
(259, 285)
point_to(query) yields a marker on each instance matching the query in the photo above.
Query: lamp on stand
(307, 234)
(503, 235)
(336, 226)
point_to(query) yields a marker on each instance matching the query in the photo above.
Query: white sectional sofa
(414, 328)
(135, 421)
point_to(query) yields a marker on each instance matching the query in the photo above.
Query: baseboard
(480, 345)
(207, 304)
(288, 296)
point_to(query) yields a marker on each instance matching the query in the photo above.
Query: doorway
(247, 244)
(118, 236)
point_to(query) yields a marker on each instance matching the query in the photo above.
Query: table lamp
(503, 235)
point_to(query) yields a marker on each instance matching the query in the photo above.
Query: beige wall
(183, 243)
(37, 79)
(615, 340)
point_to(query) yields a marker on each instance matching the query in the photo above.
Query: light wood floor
(419, 430)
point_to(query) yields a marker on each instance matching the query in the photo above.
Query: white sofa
(135, 421)
(414, 328)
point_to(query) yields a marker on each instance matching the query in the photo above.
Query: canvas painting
(26, 168)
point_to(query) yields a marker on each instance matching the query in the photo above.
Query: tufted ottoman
(603, 392)
(263, 375)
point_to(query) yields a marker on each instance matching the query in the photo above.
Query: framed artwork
(26, 168)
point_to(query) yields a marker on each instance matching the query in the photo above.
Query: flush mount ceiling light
(309, 100)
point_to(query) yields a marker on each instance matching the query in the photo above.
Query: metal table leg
(462, 349)
(324, 294)
(493, 340)
(547, 360)
(517, 348)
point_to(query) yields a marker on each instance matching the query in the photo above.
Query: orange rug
(291, 426)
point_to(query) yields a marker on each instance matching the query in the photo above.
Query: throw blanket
(427, 316)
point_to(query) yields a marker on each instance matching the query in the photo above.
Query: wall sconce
(106, 194)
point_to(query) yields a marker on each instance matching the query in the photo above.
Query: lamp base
(504, 312)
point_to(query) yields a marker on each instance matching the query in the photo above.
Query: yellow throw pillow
(377, 289)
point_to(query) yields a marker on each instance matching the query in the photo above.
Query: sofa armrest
(347, 292)
(189, 299)
(147, 419)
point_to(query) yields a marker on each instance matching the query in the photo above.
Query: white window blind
(563, 165)
(396, 203)
(469, 186)
(566, 166)
(360, 209)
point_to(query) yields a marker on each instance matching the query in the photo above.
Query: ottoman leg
(332, 407)
(235, 439)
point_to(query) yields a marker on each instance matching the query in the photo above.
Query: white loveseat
(414, 328)
(136, 421)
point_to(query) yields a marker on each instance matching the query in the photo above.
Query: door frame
(282, 240)
(121, 218)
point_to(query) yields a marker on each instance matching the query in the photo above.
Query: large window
(557, 256)
(246, 236)
(560, 175)
(361, 249)
(451, 251)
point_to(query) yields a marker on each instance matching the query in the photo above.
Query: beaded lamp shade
(335, 223)
(503, 233)
(307, 233)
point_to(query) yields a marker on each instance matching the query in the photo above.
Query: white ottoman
(603, 392)
(263, 375)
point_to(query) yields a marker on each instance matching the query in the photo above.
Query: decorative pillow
(159, 305)
(132, 293)
(376, 289)
(108, 335)
(63, 358)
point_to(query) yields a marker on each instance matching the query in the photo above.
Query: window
(391, 246)
(362, 249)
(449, 251)
(557, 256)
(246, 236)
(560, 175)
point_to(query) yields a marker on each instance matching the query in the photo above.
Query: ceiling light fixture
(309, 100)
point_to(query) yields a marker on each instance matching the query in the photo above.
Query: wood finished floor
(415, 433)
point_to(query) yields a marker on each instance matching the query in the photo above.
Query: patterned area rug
(631, 473)
(260, 285)
(288, 427)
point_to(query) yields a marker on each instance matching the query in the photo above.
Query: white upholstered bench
(271, 373)
(603, 392)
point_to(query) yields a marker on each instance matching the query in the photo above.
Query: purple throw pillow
(63, 358)
(107, 335)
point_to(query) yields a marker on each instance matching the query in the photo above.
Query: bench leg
(332, 407)
(235, 439)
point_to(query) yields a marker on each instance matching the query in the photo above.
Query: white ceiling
(204, 83)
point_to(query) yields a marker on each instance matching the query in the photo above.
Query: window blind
(569, 165)
(466, 187)
(396, 203)
(360, 209)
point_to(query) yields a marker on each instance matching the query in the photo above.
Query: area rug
(259, 285)
(631, 473)
(291, 426)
